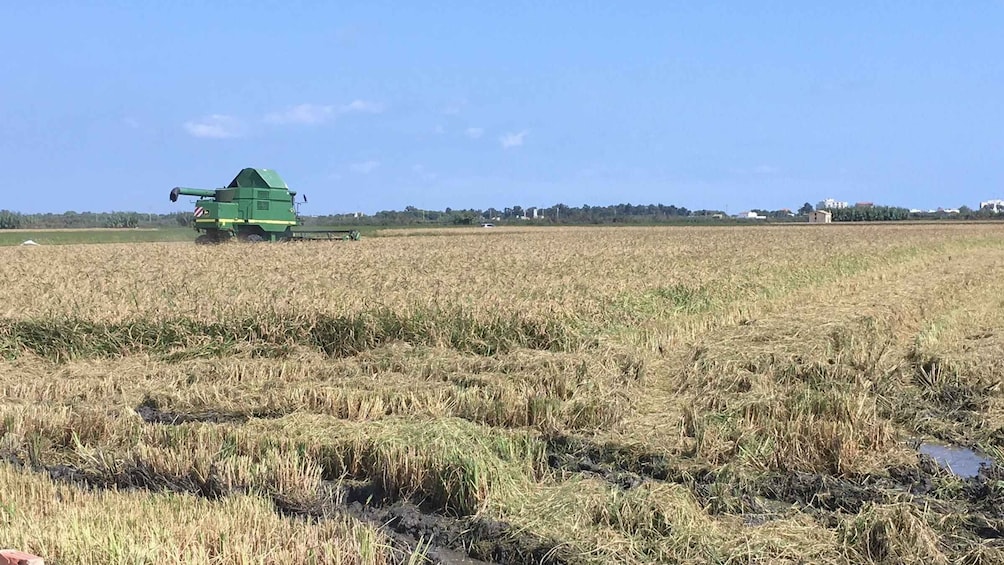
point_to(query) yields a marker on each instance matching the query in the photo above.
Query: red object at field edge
(14, 557)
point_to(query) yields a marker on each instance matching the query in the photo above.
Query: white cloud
(474, 133)
(311, 114)
(216, 126)
(364, 167)
(362, 107)
(512, 139)
(307, 114)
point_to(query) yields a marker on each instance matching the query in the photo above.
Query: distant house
(994, 205)
(864, 204)
(831, 203)
(750, 216)
(820, 217)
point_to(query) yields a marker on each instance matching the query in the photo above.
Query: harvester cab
(256, 206)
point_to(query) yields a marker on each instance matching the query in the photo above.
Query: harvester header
(256, 206)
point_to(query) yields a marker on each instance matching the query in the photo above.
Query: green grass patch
(69, 237)
(273, 335)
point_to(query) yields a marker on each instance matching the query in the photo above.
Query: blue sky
(376, 105)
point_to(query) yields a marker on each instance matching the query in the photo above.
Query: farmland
(518, 395)
(92, 235)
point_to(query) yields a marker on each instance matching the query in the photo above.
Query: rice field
(515, 395)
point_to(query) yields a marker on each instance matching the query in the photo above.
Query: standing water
(962, 461)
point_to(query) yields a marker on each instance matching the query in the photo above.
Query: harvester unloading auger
(256, 206)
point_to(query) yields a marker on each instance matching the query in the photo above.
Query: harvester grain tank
(256, 206)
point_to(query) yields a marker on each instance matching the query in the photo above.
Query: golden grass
(69, 525)
(700, 364)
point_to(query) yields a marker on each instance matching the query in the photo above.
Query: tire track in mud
(454, 540)
(443, 539)
(153, 415)
(449, 540)
(621, 465)
(759, 499)
(823, 496)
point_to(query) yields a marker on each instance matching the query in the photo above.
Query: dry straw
(636, 395)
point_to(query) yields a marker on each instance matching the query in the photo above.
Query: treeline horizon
(556, 214)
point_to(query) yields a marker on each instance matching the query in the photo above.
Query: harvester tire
(254, 238)
(204, 240)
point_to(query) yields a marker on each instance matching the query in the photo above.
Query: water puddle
(962, 461)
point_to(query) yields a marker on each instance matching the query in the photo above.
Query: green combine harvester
(256, 206)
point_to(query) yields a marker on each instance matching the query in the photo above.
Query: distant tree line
(869, 214)
(556, 214)
(628, 214)
(16, 220)
(559, 213)
(893, 213)
(11, 220)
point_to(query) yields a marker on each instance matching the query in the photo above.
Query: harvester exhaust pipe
(175, 192)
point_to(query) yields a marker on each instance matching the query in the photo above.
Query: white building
(996, 205)
(750, 216)
(820, 217)
(831, 203)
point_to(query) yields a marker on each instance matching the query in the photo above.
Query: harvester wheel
(204, 239)
(255, 238)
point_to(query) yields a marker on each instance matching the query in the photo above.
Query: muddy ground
(471, 540)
